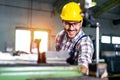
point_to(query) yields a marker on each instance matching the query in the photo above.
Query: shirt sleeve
(58, 39)
(86, 50)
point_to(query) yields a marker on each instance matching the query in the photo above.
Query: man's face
(72, 28)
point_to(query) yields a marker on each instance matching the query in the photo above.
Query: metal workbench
(42, 72)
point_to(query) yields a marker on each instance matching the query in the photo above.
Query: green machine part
(38, 72)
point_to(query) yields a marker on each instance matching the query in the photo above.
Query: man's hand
(83, 69)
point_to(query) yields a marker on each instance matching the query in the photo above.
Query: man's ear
(81, 22)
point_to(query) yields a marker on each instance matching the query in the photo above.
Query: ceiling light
(89, 3)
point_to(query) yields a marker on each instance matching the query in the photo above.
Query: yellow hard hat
(71, 12)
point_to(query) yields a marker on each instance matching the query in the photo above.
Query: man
(73, 39)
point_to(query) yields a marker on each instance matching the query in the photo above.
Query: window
(44, 39)
(25, 37)
(115, 40)
(22, 40)
(105, 39)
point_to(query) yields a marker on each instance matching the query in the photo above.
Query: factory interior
(28, 29)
